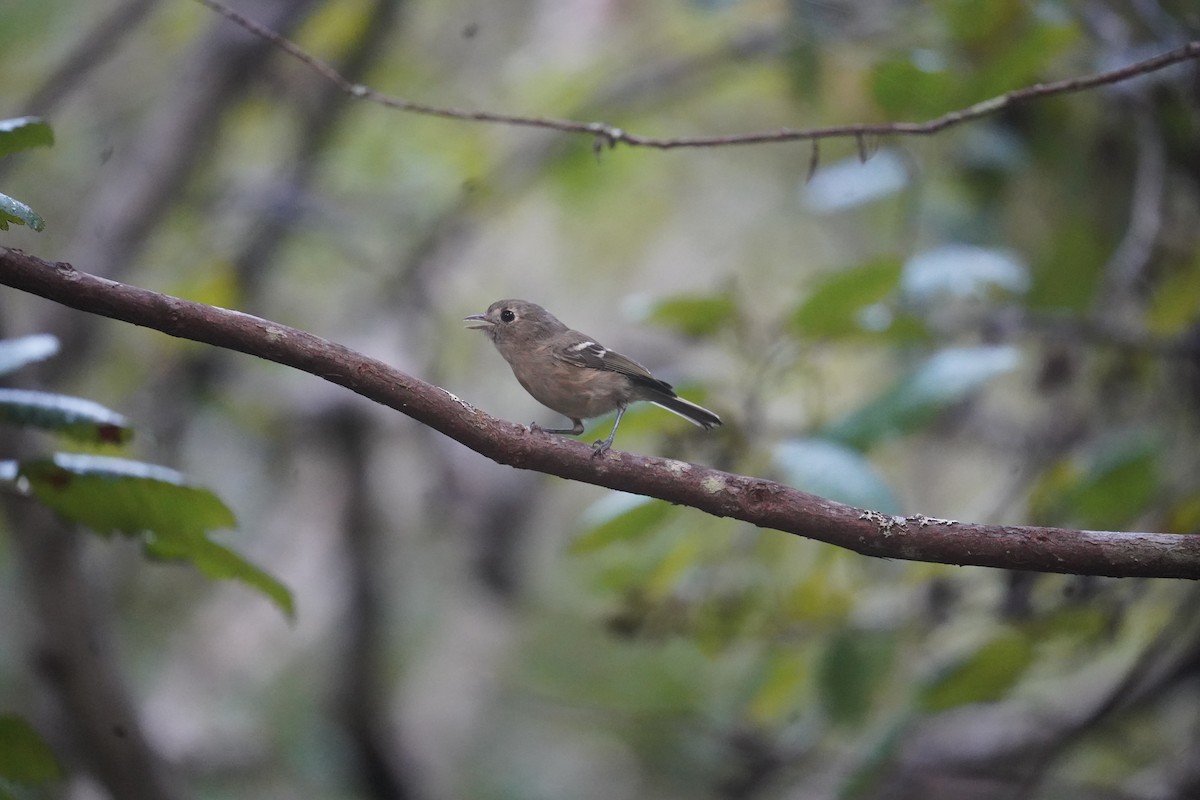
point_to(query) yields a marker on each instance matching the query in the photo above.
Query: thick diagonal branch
(760, 502)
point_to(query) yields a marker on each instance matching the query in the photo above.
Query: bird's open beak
(477, 321)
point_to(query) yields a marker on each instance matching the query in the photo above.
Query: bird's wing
(588, 354)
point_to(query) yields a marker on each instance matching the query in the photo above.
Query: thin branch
(760, 502)
(608, 135)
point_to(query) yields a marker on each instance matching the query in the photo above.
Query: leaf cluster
(172, 517)
(17, 134)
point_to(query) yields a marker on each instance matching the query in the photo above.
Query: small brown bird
(571, 373)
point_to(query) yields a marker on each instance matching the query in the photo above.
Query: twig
(754, 500)
(608, 135)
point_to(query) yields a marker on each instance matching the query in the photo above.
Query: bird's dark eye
(507, 315)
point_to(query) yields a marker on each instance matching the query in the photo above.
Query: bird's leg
(601, 446)
(572, 431)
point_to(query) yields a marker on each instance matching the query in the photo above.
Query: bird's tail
(693, 413)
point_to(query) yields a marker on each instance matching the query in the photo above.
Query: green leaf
(834, 471)
(1122, 482)
(14, 211)
(1023, 57)
(694, 315)
(116, 494)
(914, 86)
(781, 689)
(1175, 298)
(1183, 515)
(979, 24)
(851, 672)
(944, 379)
(1067, 270)
(820, 598)
(82, 420)
(23, 133)
(16, 353)
(220, 563)
(131, 497)
(24, 756)
(620, 517)
(983, 676)
(1119, 482)
(835, 307)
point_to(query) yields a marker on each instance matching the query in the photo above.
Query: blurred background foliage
(998, 323)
